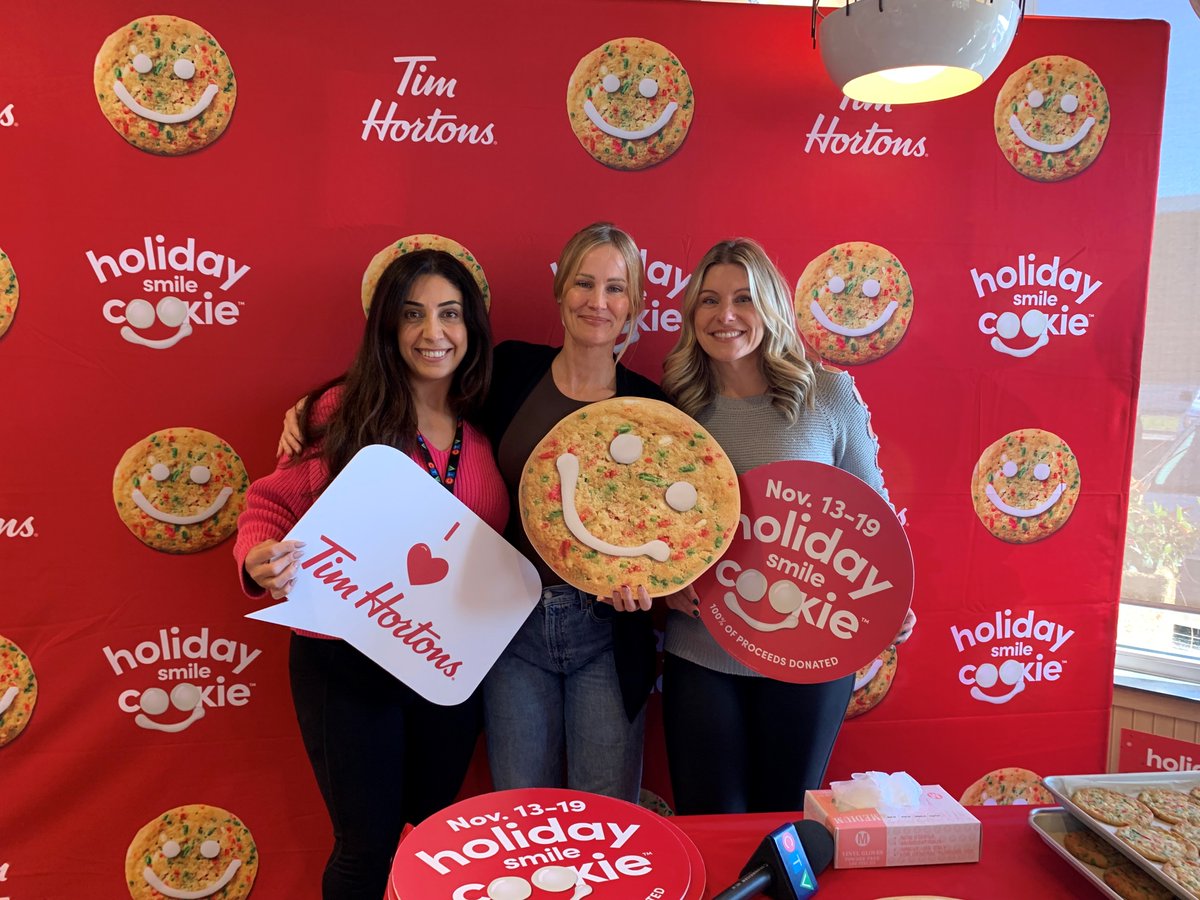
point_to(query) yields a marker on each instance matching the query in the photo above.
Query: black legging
(738, 743)
(383, 756)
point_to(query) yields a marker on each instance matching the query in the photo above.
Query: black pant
(737, 743)
(383, 756)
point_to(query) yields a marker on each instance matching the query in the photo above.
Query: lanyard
(451, 462)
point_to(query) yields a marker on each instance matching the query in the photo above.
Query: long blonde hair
(584, 242)
(689, 377)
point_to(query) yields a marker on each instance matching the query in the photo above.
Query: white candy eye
(142, 64)
(647, 87)
(171, 849)
(153, 701)
(1011, 672)
(681, 496)
(1041, 471)
(837, 284)
(185, 697)
(184, 68)
(611, 83)
(555, 879)
(751, 585)
(1009, 469)
(1069, 103)
(160, 472)
(1034, 322)
(1008, 325)
(871, 288)
(1036, 99)
(200, 474)
(139, 314)
(171, 311)
(985, 675)
(509, 887)
(625, 448)
(210, 849)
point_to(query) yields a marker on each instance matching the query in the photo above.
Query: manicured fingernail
(695, 601)
(695, 613)
(296, 554)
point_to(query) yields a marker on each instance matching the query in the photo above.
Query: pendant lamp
(911, 51)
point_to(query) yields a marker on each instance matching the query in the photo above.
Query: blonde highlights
(584, 242)
(689, 377)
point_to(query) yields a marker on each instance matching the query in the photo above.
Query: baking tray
(1131, 783)
(1053, 824)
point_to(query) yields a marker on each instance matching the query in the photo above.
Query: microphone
(786, 864)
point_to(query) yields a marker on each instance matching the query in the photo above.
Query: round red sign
(817, 579)
(541, 844)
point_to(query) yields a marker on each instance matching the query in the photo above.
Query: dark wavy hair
(376, 403)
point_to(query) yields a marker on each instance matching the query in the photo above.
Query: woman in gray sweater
(740, 370)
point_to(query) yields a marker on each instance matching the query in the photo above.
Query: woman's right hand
(291, 442)
(273, 565)
(685, 601)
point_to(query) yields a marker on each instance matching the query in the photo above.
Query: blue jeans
(553, 697)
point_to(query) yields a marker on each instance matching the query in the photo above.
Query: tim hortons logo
(834, 138)
(1019, 649)
(183, 675)
(418, 79)
(17, 528)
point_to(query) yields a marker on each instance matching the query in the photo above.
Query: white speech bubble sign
(401, 569)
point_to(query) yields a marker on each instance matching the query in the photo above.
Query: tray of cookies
(1153, 818)
(1100, 864)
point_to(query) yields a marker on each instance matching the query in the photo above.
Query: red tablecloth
(1014, 863)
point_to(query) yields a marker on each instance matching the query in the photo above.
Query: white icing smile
(187, 115)
(830, 325)
(613, 131)
(568, 472)
(149, 509)
(995, 500)
(155, 882)
(1024, 138)
(1001, 347)
(872, 671)
(7, 700)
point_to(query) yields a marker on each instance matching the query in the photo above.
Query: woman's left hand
(625, 599)
(906, 627)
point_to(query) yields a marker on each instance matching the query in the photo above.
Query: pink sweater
(275, 503)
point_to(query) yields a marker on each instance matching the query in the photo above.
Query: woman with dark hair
(418, 380)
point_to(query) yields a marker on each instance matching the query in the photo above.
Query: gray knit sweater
(836, 430)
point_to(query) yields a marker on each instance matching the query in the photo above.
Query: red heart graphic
(424, 567)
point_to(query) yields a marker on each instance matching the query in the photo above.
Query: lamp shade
(912, 51)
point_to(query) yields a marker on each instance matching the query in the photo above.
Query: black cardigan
(519, 367)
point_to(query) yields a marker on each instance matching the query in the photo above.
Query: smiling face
(728, 325)
(18, 691)
(854, 303)
(1025, 485)
(165, 85)
(180, 490)
(192, 851)
(1052, 117)
(433, 332)
(630, 103)
(628, 491)
(595, 304)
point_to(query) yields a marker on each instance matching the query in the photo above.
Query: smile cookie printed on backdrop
(18, 690)
(10, 293)
(854, 303)
(180, 490)
(192, 852)
(1025, 485)
(629, 491)
(1011, 786)
(412, 242)
(1052, 117)
(630, 103)
(165, 85)
(872, 683)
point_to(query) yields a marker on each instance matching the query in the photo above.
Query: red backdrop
(295, 191)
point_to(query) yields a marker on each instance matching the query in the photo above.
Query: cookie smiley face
(629, 491)
(10, 293)
(180, 490)
(630, 103)
(18, 691)
(854, 303)
(1052, 117)
(1025, 485)
(192, 852)
(412, 242)
(165, 85)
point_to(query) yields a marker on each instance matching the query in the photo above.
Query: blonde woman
(738, 741)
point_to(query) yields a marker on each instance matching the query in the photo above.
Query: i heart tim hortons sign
(397, 566)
